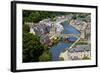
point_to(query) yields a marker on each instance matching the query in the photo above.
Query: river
(61, 46)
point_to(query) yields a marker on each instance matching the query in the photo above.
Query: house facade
(79, 52)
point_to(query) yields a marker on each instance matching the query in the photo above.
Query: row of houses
(83, 26)
(79, 52)
(45, 29)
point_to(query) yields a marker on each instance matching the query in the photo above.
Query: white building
(32, 30)
(79, 52)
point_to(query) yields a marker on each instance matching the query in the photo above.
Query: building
(79, 52)
(32, 30)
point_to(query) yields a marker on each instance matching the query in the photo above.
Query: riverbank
(60, 47)
(65, 55)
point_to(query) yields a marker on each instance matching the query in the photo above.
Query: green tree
(32, 47)
(26, 19)
(46, 56)
(26, 28)
(34, 17)
(26, 14)
(74, 16)
(33, 50)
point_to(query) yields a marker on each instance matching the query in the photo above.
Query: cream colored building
(79, 52)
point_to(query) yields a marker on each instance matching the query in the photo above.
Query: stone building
(79, 52)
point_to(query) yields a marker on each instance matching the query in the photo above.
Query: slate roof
(80, 48)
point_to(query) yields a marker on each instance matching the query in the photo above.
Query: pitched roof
(80, 48)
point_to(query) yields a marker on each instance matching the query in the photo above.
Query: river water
(61, 46)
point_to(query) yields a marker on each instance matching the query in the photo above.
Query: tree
(26, 14)
(33, 50)
(26, 19)
(32, 47)
(26, 28)
(34, 17)
(45, 56)
(74, 16)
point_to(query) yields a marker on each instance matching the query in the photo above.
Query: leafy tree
(26, 14)
(74, 16)
(26, 28)
(34, 17)
(32, 47)
(45, 56)
(33, 50)
(26, 19)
